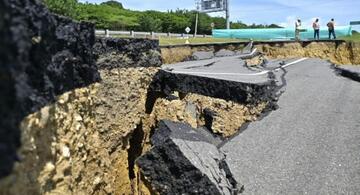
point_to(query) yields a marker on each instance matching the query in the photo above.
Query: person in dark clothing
(316, 27)
(331, 27)
(297, 29)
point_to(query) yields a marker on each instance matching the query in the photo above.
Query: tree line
(112, 15)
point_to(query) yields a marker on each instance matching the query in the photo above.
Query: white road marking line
(237, 74)
(220, 73)
(252, 53)
(292, 63)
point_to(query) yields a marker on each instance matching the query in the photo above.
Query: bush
(62, 7)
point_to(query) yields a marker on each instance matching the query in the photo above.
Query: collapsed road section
(225, 78)
(74, 107)
(178, 161)
(77, 112)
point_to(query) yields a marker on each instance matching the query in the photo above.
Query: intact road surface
(310, 145)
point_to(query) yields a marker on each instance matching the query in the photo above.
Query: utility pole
(196, 23)
(197, 17)
(227, 14)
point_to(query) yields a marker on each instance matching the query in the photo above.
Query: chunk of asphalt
(202, 55)
(349, 71)
(184, 161)
(224, 53)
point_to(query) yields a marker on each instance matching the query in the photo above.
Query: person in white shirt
(297, 29)
(316, 27)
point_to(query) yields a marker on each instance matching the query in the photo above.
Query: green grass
(178, 41)
(354, 37)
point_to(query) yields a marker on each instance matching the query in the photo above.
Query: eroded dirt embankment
(338, 52)
(41, 56)
(88, 140)
(81, 144)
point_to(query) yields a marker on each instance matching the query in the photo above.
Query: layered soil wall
(88, 140)
(81, 144)
(41, 56)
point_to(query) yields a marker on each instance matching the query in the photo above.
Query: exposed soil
(338, 52)
(87, 141)
(80, 144)
(226, 116)
(41, 56)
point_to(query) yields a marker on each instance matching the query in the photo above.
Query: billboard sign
(207, 6)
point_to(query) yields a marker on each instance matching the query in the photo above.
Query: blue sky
(282, 12)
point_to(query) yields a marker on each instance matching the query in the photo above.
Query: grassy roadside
(177, 41)
(355, 37)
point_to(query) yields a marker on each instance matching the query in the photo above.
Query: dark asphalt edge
(355, 76)
(164, 82)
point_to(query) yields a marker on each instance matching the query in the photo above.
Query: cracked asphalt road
(224, 68)
(310, 145)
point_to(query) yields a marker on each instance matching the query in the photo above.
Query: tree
(238, 25)
(149, 24)
(113, 4)
(274, 26)
(62, 7)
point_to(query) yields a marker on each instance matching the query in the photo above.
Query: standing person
(297, 29)
(331, 27)
(316, 27)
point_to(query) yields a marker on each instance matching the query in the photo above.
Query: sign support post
(197, 17)
(196, 23)
(227, 14)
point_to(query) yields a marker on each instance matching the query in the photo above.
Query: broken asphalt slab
(164, 83)
(202, 55)
(246, 53)
(225, 78)
(184, 161)
(231, 68)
